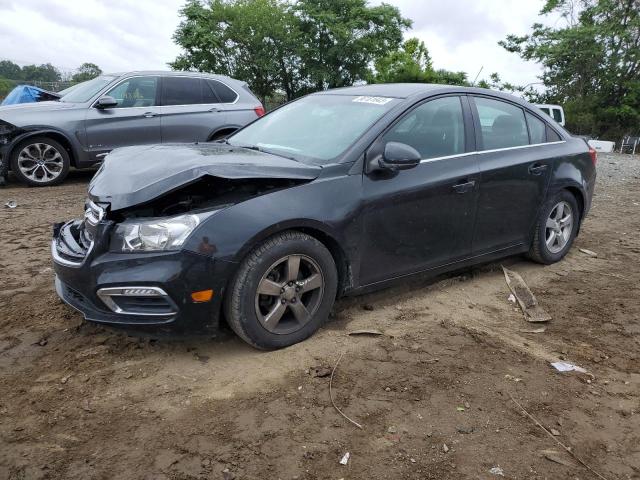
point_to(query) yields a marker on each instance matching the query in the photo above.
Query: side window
(208, 95)
(557, 115)
(552, 136)
(181, 91)
(135, 92)
(435, 128)
(224, 93)
(502, 124)
(537, 129)
(545, 110)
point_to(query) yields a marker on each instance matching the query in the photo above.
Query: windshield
(83, 92)
(317, 128)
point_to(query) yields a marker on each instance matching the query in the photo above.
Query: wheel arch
(56, 135)
(320, 232)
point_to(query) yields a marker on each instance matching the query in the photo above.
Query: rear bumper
(81, 283)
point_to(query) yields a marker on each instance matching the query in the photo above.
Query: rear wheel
(283, 291)
(40, 162)
(556, 229)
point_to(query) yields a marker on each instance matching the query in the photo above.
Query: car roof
(410, 90)
(167, 73)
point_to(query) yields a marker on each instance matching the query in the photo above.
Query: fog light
(202, 296)
(146, 292)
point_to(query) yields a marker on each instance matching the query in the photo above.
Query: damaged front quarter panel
(164, 180)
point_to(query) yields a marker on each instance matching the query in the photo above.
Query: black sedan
(334, 194)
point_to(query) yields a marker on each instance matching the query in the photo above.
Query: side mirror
(106, 102)
(399, 156)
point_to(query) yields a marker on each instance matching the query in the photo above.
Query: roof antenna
(474, 80)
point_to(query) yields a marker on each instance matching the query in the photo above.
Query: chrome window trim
(202, 78)
(482, 152)
(105, 295)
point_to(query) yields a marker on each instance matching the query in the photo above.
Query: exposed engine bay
(207, 193)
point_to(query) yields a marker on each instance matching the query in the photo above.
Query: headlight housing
(156, 234)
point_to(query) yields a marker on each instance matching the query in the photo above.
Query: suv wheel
(40, 162)
(556, 229)
(283, 291)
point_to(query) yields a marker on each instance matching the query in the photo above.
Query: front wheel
(283, 291)
(556, 229)
(40, 162)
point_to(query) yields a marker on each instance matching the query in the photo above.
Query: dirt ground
(79, 401)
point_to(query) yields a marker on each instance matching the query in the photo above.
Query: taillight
(594, 155)
(259, 111)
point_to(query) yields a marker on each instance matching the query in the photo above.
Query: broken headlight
(7, 132)
(155, 234)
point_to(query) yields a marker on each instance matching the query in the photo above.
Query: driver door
(422, 218)
(134, 121)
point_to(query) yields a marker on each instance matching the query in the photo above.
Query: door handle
(149, 114)
(537, 168)
(464, 187)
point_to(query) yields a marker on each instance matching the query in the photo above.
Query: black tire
(61, 173)
(241, 300)
(540, 251)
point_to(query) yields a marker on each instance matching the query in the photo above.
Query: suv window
(537, 129)
(435, 128)
(181, 91)
(224, 93)
(135, 92)
(557, 115)
(502, 124)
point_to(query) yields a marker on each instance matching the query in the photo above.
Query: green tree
(341, 38)
(412, 64)
(5, 87)
(251, 40)
(40, 73)
(591, 65)
(292, 47)
(10, 70)
(85, 72)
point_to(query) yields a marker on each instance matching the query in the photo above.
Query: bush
(5, 87)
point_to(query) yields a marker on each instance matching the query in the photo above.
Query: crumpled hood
(135, 175)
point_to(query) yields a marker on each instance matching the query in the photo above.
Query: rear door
(134, 121)
(422, 218)
(515, 164)
(191, 111)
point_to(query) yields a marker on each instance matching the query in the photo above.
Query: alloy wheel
(289, 294)
(40, 162)
(559, 227)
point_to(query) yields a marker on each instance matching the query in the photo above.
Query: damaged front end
(125, 261)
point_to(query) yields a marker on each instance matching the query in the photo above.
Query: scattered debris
(511, 377)
(555, 456)
(387, 389)
(331, 394)
(497, 471)
(372, 333)
(66, 378)
(460, 409)
(445, 449)
(525, 297)
(533, 330)
(392, 429)
(567, 367)
(320, 371)
(227, 475)
(11, 204)
(567, 449)
(465, 430)
(345, 459)
(589, 252)
(554, 432)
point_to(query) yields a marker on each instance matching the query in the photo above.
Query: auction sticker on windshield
(374, 100)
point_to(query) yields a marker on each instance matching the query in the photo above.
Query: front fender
(32, 131)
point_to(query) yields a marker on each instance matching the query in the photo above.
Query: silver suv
(40, 141)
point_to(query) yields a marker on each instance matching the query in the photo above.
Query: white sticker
(374, 100)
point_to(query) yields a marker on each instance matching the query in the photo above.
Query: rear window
(224, 93)
(181, 91)
(537, 130)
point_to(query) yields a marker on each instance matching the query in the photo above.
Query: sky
(121, 35)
